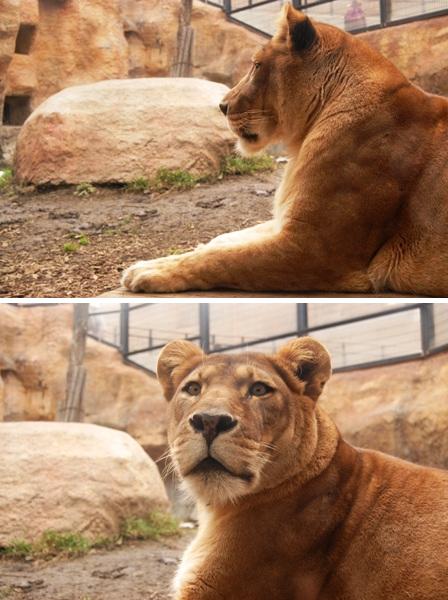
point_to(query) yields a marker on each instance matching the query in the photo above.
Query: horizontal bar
(379, 363)
(160, 346)
(330, 325)
(98, 339)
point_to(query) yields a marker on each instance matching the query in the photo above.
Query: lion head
(279, 96)
(241, 423)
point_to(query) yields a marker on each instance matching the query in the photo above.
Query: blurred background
(357, 335)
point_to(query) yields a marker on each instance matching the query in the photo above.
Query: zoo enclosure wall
(357, 335)
(352, 15)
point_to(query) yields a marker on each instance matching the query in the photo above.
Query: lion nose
(224, 106)
(212, 425)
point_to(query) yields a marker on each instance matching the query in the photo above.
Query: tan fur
(317, 519)
(363, 204)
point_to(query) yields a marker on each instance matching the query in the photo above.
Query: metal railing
(357, 336)
(355, 16)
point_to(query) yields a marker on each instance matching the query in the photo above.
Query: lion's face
(274, 100)
(234, 419)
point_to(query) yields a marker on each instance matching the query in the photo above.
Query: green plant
(140, 184)
(152, 527)
(245, 165)
(173, 250)
(178, 179)
(71, 545)
(17, 549)
(71, 247)
(84, 189)
(6, 178)
(53, 543)
(83, 240)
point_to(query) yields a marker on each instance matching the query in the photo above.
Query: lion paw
(158, 275)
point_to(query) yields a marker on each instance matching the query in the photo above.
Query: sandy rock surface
(9, 26)
(399, 409)
(222, 50)
(418, 49)
(72, 477)
(34, 352)
(117, 131)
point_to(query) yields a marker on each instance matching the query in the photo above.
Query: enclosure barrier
(357, 335)
(352, 15)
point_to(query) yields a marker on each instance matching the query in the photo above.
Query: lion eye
(193, 388)
(257, 65)
(259, 389)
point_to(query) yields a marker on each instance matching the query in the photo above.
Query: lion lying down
(363, 205)
(288, 509)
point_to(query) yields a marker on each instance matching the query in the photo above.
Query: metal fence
(357, 335)
(352, 15)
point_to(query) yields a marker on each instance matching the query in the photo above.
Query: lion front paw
(158, 275)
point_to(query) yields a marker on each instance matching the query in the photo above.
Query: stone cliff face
(399, 409)
(47, 45)
(34, 353)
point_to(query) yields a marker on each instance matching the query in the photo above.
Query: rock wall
(34, 353)
(419, 49)
(62, 44)
(399, 409)
(9, 26)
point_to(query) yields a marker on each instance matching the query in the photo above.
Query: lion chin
(250, 146)
(212, 483)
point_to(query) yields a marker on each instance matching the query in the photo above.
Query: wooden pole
(70, 410)
(183, 64)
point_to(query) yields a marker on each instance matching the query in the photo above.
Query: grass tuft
(152, 527)
(84, 189)
(244, 165)
(71, 545)
(177, 179)
(71, 247)
(140, 184)
(6, 178)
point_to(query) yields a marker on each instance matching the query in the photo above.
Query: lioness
(363, 205)
(288, 509)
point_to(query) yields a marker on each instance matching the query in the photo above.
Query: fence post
(124, 329)
(204, 327)
(385, 12)
(302, 318)
(427, 327)
(227, 5)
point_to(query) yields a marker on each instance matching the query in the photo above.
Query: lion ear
(174, 361)
(311, 363)
(296, 30)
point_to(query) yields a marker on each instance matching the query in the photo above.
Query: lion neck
(348, 73)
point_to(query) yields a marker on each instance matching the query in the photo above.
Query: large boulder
(116, 131)
(33, 369)
(400, 409)
(71, 477)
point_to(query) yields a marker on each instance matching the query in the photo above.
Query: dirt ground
(138, 571)
(119, 227)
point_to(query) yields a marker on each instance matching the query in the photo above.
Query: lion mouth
(249, 136)
(211, 465)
